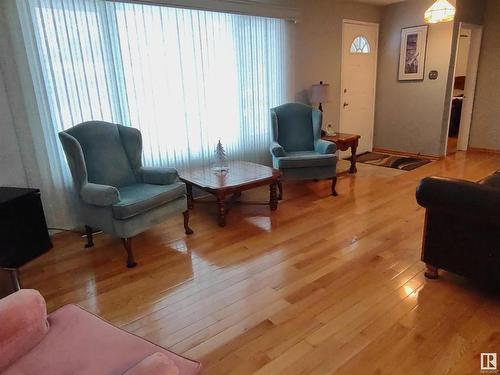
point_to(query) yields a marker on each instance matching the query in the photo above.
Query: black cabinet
(23, 230)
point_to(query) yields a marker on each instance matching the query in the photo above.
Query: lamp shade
(320, 93)
(440, 11)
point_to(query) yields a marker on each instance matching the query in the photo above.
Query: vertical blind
(184, 77)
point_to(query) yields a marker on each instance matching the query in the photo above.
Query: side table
(23, 228)
(345, 141)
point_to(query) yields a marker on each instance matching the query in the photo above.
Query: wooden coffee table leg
(189, 193)
(221, 205)
(280, 190)
(273, 198)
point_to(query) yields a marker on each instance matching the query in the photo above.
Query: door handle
(346, 104)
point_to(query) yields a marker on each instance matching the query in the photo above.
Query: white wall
(11, 165)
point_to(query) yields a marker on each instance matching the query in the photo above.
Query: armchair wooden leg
(186, 222)
(90, 238)
(334, 183)
(190, 199)
(280, 190)
(432, 272)
(127, 243)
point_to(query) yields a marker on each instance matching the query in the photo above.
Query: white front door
(359, 72)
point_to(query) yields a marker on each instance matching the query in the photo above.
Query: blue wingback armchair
(297, 148)
(117, 194)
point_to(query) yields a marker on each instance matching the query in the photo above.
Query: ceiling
(378, 2)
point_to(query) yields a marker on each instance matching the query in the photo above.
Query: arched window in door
(360, 45)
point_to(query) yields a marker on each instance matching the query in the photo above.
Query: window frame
(358, 48)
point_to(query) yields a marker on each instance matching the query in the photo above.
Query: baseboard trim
(409, 154)
(487, 150)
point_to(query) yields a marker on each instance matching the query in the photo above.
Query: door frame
(375, 71)
(470, 85)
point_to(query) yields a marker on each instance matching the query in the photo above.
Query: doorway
(358, 80)
(464, 87)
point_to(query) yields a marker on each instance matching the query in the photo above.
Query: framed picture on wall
(412, 54)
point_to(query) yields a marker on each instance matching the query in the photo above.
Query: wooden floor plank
(323, 285)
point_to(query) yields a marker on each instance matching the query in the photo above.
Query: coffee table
(241, 176)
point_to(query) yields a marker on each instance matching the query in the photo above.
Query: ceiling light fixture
(440, 11)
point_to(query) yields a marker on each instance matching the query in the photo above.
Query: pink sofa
(73, 341)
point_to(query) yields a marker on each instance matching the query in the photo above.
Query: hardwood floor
(323, 285)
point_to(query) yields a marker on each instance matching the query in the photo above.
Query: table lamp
(320, 93)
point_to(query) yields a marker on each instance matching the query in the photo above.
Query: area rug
(391, 161)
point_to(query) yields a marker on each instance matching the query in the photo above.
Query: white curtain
(184, 77)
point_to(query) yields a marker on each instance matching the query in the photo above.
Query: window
(360, 45)
(184, 77)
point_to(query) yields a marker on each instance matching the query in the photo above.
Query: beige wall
(470, 11)
(318, 42)
(485, 130)
(409, 115)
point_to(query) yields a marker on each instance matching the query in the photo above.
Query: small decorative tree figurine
(220, 159)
